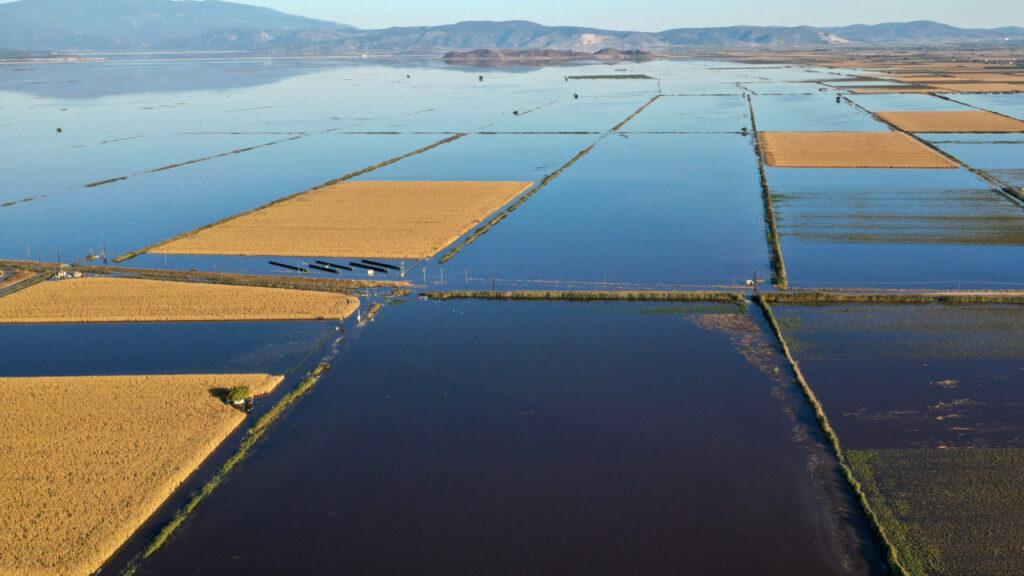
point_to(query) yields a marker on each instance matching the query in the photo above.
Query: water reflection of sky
(196, 142)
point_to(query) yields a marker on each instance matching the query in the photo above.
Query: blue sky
(657, 15)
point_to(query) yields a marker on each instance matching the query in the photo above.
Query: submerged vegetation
(891, 550)
(954, 511)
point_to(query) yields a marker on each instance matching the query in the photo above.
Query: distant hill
(138, 25)
(489, 58)
(67, 25)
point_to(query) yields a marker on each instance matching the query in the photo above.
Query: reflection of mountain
(146, 25)
(53, 80)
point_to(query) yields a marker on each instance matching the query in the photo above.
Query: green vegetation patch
(948, 217)
(903, 330)
(954, 511)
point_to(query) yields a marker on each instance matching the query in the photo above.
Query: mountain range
(179, 25)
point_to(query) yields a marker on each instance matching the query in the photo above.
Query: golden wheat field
(85, 460)
(848, 150)
(900, 90)
(978, 87)
(134, 300)
(952, 121)
(369, 219)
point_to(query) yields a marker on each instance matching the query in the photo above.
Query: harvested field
(950, 511)
(848, 150)
(85, 460)
(900, 90)
(10, 279)
(982, 87)
(355, 219)
(952, 121)
(135, 300)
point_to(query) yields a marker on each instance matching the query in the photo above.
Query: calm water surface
(489, 437)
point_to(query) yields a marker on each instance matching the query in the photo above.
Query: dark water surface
(498, 438)
(170, 348)
(914, 376)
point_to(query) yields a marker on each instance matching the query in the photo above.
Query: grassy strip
(635, 114)
(501, 215)
(252, 437)
(819, 413)
(349, 176)
(296, 283)
(372, 313)
(584, 296)
(32, 265)
(780, 280)
(890, 298)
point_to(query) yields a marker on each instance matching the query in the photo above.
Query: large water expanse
(665, 190)
(508, 437)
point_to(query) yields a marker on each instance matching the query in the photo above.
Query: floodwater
(179, 145)
(914, 376)
(484, 437)
(642, 209)
(896, 229)
(631, 441)
(171, 348)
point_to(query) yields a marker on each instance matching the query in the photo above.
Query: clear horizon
(655, 15)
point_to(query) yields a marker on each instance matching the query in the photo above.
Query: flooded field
(926, 400)
(612, 218)
(473, 436)
(634, 440)
(896, 229)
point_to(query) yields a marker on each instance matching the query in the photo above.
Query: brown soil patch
(85, 460)
(7, 280)
(356, 219)
(848, 150)
(134, 300)
(954, 121)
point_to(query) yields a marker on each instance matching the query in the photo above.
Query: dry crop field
(366, 219)
(848, 150)
(135, 300)
(952, 121)
(85, 460)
